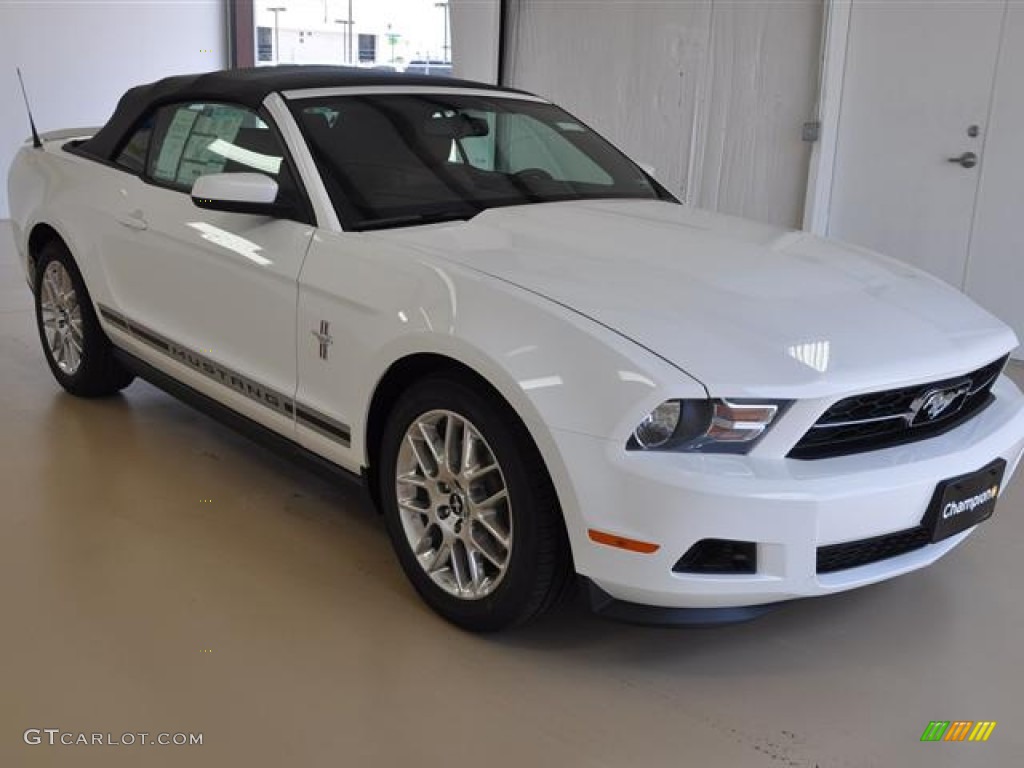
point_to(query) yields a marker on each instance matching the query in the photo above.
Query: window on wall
(396, 35)
(367, 48)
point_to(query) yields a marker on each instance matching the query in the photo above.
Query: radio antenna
(32, 123)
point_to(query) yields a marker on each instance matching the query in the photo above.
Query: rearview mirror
(238, 193)
(456, 127)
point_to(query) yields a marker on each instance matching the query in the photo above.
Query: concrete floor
(274, 620)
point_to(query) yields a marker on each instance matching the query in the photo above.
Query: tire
(484, 586)
(77, 350)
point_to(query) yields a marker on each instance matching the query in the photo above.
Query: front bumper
(788, 507)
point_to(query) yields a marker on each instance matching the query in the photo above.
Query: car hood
(745, 308)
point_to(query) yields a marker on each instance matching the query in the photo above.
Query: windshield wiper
(414, 219)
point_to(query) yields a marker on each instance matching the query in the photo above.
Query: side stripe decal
(323, 424)
(260, 393)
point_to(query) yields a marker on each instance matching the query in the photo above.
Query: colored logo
(958, 730)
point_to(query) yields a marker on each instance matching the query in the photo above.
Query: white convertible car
(540, 364)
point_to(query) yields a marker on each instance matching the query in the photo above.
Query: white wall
(761, 86)
(79, 56)
(713, 93)
(475, 26)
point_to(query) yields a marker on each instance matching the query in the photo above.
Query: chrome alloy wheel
(454, 504)
(61, 318)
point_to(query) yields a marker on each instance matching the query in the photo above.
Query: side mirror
(238, 193)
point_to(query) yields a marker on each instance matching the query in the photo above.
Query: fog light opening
(719, 556)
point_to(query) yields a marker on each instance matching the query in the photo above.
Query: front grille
(877, 420)
(839, 557)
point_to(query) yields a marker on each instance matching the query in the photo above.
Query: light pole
(445, 47)
(348, 31)
(277, 49)
(392, 39)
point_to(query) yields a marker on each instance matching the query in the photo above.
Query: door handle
(967, 159)
(132, 220)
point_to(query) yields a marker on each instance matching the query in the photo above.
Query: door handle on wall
(132, 220)
(967, 159)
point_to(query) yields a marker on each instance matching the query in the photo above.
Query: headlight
(709, 426)
(660, 425)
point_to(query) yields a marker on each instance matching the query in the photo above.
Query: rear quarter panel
(74, 196)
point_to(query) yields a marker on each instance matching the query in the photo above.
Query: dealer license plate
(962, 502)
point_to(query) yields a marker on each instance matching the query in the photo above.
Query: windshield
(394, 160)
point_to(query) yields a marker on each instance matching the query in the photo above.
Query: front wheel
(470, 508)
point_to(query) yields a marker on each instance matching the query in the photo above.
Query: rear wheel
(77, 350)
(470, 508)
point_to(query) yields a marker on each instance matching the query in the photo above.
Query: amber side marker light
(621, 542)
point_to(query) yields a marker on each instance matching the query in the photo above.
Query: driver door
(210, 296)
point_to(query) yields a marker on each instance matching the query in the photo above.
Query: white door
(916, 93)
(924, 83)
(213, 291)
(995, 271)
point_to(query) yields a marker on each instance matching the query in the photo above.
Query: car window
(132, 156)
(196, 139)
(523, 143)
(392, 160)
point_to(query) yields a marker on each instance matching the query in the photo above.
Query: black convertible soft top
(248, 87)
